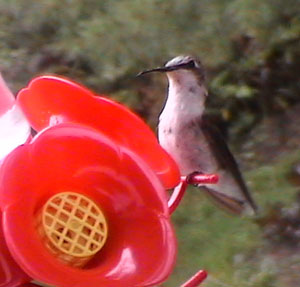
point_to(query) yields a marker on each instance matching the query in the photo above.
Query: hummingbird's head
(181, 68)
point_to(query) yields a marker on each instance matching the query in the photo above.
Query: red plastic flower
(140, 248)
(104, 157)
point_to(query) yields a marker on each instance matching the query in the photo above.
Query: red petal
(10, 273)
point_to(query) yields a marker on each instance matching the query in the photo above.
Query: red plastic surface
(50, 100)
(141, 247)
(10, 273)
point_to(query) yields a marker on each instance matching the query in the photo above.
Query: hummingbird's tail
(228, 203)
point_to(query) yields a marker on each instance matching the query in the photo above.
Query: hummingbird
(196, 145)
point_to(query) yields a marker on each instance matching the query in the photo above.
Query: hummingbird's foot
(190, 178)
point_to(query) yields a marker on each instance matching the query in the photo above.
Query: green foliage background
(251, 51)
(250, 48)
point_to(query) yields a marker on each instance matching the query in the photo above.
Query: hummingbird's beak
(161, 70)
(189, 65)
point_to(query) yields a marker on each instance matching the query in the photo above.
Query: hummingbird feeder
(84, 202)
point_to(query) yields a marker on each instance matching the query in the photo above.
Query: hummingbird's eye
(192, 64)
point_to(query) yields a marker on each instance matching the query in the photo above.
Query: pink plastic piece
(194, 179)
(14, 129)
(197, 279)
(177, 196)
(200, 178)
(6, 97)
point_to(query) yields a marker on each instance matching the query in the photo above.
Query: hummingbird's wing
(231, 192)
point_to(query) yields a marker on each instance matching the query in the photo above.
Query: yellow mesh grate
(75, 225)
